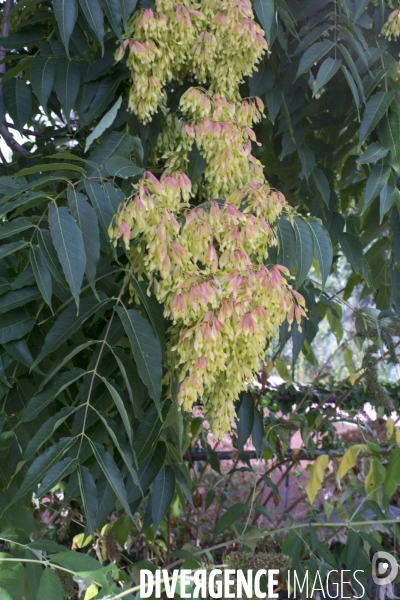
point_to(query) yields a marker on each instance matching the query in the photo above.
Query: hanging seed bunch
(391, 28)
(208, 264)
(213, 42)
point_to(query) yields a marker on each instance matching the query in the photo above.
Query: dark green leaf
(66, 85)
(287, 244)
(3, 377)
(118, 166)
(23, 39)
(134, 385)
(387, 198)
(323, 250)
(373, 153)
(88, 491)
(11, 248)
(105, 94)
(94, 14)
(18, 102)
(274, 101)
(33, 575)
(390, 134)
(101, 203)
(67, 323)
(115, 195)
(352, 248)
(265, 12)
(127, 8)
(19, 351)
(352, 85)
(304, 248)
(376, 180)
(106, 500)
(41, 273)
(14, 326)
(66, 12)
(354, 71)
(76, 561)
(106, 121)
(257, 434)
(10, 228)
(119, 403)
(119, 440)
(327, 70)
(50, 256)
(43, 72)
(111, 471)
(146, 350)
(392, 478)
(51, 391)
(57, 473)
(50, 167)
(146, 436)
(147, 473)
(197, 164)
(112, 11)
(67, 240)
(85, 216)
(313, 55)
(46, 431)
(47, 546)
(116, 144)
(375, 108)
(322, 185)
(307, 159)
(162, 495)
(17, 298)
(262, 80)
(153, 309)
(230, 517)
(245, 419)
(22, 65)
(42, 465)
(50, 587)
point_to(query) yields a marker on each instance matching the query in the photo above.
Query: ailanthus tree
(182, 167)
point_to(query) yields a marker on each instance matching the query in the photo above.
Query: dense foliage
(224, 208)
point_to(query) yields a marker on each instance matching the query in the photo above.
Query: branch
(6, 135)
(11, 142)
(8, 6)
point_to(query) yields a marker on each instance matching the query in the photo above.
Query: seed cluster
(215, 42)
(391, 28)
(207, 264)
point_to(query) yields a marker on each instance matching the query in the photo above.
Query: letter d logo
(384, 568)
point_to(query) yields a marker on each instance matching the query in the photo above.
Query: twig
(11, 142)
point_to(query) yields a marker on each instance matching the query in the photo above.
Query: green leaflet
(163, 493)
(304, 248)
(113, 475)
(88, 490)
(245, 419)
(85, 217)
(94, 14)
(323, 250)
(42, 466)
(66, 13)
(50, 587)
(68, 241)
(67, 323)
(146, 350)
